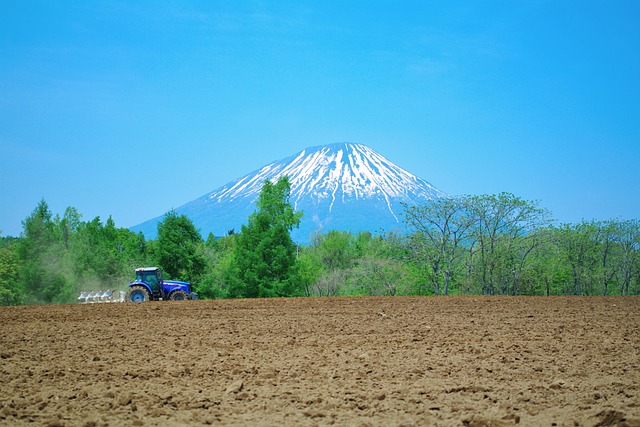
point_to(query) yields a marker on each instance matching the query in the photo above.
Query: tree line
(502, 244)
(466, 245)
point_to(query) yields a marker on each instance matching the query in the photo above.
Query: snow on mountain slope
(338, 186)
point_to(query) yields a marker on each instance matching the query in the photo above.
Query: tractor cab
(152, 277)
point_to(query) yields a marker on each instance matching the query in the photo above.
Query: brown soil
(344, 361)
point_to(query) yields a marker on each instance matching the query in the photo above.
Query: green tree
(11, 292)
(546, 272)
(441, 229)
(179, 248)
(629, 258)
(578, 244)
(218, 255)
(608, 254)
(328, 262)
(41, 259)
(501, 224)
(94, 254)
(6, 241)
(381, 276)
(603, 255)
(67, 225)
(307, 270)
(102, 255)
(335, 249)
(265, 255)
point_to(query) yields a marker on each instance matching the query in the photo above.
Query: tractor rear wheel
(178, 296)
(138, 294)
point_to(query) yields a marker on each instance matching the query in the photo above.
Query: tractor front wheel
(138, 294)
(178, 296)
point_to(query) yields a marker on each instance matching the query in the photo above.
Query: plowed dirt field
(476, 361)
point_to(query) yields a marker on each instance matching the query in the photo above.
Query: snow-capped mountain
(338, 186)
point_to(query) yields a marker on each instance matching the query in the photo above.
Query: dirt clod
(234, 387)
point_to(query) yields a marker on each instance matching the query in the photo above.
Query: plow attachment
(93, 297)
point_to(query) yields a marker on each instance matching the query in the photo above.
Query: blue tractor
(150, 286)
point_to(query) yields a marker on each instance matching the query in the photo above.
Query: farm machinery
(101, 296)
(149, 285)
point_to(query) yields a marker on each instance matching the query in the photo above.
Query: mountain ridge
(344, 186)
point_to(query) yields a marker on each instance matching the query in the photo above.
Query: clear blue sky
(131, 108)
